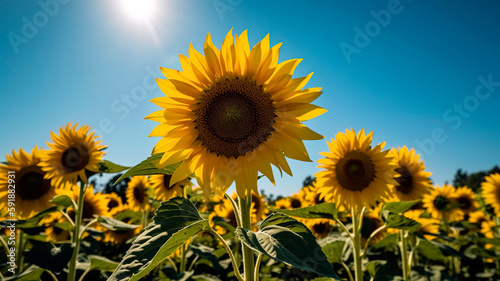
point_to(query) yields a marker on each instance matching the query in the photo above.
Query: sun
(138, 10)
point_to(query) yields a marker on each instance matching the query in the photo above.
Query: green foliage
(393, 220)
(286, 240)
(64, 201)
(149, 167)
(333, 251)
(323, 210)
(31, 222)
(48, 256)
(101, 263)
(399, 207)
(115, 225)
(473, 180)
(110, 167)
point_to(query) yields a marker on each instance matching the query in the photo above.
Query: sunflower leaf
(324, 210)
(115, 225)
(289, 241)
(102, 263)
(174, 223)
(334, 250)
(31, 222)
(149, 167)
(110, 167)
(429, 250)
(393, 220)
(64, 201)
(399, 207)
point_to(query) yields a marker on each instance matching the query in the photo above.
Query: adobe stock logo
(40, 19)
(363, 37)
(457, 113)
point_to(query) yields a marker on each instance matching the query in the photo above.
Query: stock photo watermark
(31, 26)
(223, 6)
(454, 116)
(11, 227)
(363, 35)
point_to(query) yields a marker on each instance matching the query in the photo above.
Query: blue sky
(425, 75)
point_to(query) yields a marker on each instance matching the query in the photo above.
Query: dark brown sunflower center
(441, 202)
(355, 171)
(320, 227)
(32, 185)
(166, 182)
(256, 202)
(234, 117)
(464, 202)
(139, 194)
(57, 230)
(295, 203)
(369, 226)
(318, 200)
(88, 211)
(113, 203)
(405, 180)
(75, 159)
(232, 218)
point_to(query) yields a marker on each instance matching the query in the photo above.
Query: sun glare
(139, 10)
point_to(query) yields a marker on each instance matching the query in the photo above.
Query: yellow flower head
(164, 189)
(93, 203)
(413, 180)
(439, 202)
(53, 232)
(72, 153)
(114, 203)
(466, 199)
(28, 182)
(491, 191)
(319, 227)
(137, 193)
(233, 112)
(429, 225)
(355, 174)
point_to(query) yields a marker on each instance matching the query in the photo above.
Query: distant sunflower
(282, 203)
(232, 113)
(33, 190)
(137, 193)
(297, 200)
(121, 236)
(491, 191)
(319, 227)
(478, 217)
(372, 222)
(413, 180)
(93, 203)
(439, 201)
(114, 203)
(258, 207)
(164, 189)
(313, 196)
(429, 225)
(356, 174)
(53, 232)
(72, 153)
(466, 199)
(224, 210)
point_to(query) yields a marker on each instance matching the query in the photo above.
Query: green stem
(403, 244)
(257, 266)
(76, 233)
(20, 249)
(344, 228)
(235, 209)
(230, 253)
(182, 266)
(370, 238)
(248, 261)
(358, 267)
(347, 270)
(193, 262)
(51, 274)
(173, 264)
(145, 217)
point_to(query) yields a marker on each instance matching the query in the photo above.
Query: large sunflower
(164, 189)
(356, 174)
(137, 193)
(491, 191)
(72, 153)
(413, 180)
(466, 199)
(33, 190)
(439, 202)
(232, 113)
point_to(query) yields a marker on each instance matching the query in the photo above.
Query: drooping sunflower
(164, 189)
(33, 190)
(114, 203)
(319, 227)
(413, 181)
(491, 191)
(137, 193)
(72, 153)
(232, 113)
(466, 199)
(356, 174)
(93, 203)
(439, 202)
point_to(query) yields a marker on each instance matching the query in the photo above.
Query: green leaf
(149, 167)
(33, 273)
(399, 207)
(286, 240)
(110, 167)
(324, 210)
(48, 256)
(333, 251)
(31, 222)
(63, 201)
(206, 252)
(102, 263)
(115, 225)
(429, 250)
(174, 223)
(388, 241)
(393, 220)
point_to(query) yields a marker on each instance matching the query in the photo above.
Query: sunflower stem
(76, 233)
(403, 244)
(20, 249)
(248, 262)
(347, 270)
(257, 266)
(369, 238)
(229, 252)
(358, 267)
(182, 266)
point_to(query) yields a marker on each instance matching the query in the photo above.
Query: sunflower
(313, 197)
(93, 203)
(439, 202)
(114, 203)
(283, 203)
(466, 199)
(429, 225)
(164, 189)
(319, 227)
(258, 207)
(224, 210)
(72, 154)
(137, 193)
(297, 200)
(356, 174)
(53, 232)
(491, 191)
(413, 181)
(232, 113)
(478, 217)
(33, 190)
(371, 222)
(121, 236)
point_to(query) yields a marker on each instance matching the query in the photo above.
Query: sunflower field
(232, 116)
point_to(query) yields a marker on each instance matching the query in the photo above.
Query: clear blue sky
(408, 78)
